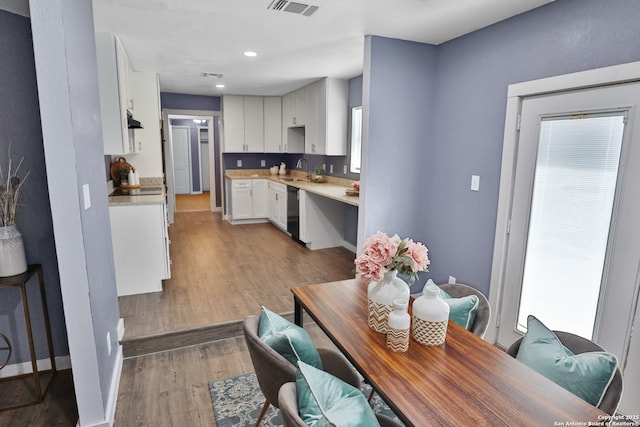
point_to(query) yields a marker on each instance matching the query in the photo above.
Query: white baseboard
(349, 246)
(120, 329)
(110, 408)
(62, 363)
(110, 413)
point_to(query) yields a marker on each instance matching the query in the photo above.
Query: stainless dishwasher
(293, 213)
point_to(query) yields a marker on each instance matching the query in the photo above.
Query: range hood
(133, 123)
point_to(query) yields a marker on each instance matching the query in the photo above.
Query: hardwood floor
(220, 274)
(193, 202)
(170, 388)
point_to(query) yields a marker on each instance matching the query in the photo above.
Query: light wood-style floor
(220, 273)
(193, 202)
(223, 272)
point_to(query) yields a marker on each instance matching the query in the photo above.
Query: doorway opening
(192, 160)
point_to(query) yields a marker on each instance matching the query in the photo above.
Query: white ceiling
(180, 39)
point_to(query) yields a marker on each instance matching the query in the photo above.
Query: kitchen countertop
(153, 199)
(334, 188)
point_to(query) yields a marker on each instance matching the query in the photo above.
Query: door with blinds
(574, 242)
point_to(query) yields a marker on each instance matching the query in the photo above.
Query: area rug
(237, 402)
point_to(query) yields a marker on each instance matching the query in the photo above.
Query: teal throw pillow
(324, 400)
(289, 340)
(462, 310)
(587, 375)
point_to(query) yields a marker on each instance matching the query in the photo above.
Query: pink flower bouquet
(382, 253)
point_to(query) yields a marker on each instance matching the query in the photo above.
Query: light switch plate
(475, 182)
(86, 195)
(263, 163)
(452, 280)
(344, 169)
(330, 168)
(239, 163)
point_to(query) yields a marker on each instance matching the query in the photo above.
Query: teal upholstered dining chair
(578, 345)
(287, 399)
(273, 370)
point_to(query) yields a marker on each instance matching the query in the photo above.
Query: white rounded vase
(381, 295)
(12, 256)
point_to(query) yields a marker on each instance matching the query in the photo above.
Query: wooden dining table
(465, 382)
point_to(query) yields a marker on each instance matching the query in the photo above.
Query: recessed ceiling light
(250, 53)
(219, 85)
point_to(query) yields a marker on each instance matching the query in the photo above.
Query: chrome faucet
(299, 166)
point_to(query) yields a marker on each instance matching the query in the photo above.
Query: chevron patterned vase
(381, 295)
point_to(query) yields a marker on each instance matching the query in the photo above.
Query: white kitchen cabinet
(140, 247)
(249, 199)
(326, 128)
(260, 198)
(294, 113)
(146, 92)
(278, 204)
(243, 121)
(321, 221)
(254, 124)
(273, 125)
(233, 123)
(294, 108)
(113, 85)
(241, 200)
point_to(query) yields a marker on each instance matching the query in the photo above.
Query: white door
(180, 137)
(574, 244)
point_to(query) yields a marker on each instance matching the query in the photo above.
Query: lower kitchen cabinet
(278, 204)
(321, 221)
(249, 199)
(140, 247)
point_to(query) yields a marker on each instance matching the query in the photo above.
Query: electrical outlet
(344, 169)
(330, 168)
(109, 343)
(263, 163)
(324, 166)
(239, 163)
(452, 280)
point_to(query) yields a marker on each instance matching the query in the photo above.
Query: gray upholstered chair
(289, 409)
(458, 290)
(578, 345)
(273, 370)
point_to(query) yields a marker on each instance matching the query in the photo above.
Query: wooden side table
(17, 386)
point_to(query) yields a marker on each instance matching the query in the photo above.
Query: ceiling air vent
(293, 7)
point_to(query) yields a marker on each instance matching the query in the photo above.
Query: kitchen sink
(290, 178)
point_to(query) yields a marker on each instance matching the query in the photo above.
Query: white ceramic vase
(12, 256)
(430, 317)
(381, 296)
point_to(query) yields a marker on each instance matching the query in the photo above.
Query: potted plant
(318, 175)
(13, 259)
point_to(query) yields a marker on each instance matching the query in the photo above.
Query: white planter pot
(13, 259)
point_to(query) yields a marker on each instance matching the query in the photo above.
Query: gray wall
(67, 81)
(467, 113)
(398, 108)
(20, 127)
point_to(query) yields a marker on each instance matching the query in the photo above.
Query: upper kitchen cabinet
(327, 112)
(146, 93)
(294, 108)
(243, 121)
(114, 84)
(273, 125)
